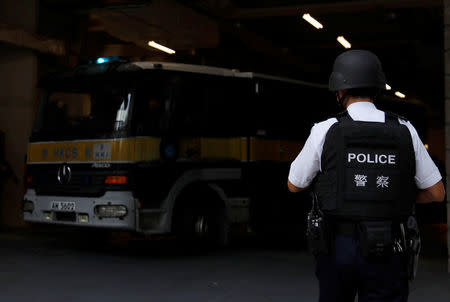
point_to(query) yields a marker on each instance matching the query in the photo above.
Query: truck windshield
(99, 112)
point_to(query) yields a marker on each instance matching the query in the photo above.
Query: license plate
(63, 206)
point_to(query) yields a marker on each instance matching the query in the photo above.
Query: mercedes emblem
(64, 174)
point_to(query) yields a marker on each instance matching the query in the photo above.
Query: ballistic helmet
(357, 69)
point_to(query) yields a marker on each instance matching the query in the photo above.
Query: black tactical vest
(368, 170)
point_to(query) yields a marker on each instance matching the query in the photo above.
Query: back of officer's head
(358, 72)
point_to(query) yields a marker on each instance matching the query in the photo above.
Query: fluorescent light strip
(344, 42)
(388, 87)
(400, 95)
(161, 47)
(312, 21)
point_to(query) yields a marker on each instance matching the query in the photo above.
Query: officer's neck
(352, 99)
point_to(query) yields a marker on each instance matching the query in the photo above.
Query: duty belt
(346, 228)
(350, 228)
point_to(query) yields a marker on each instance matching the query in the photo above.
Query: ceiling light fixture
(312, 21)
(388, 87)
(161, 47)
(344, 42)
(400, 95)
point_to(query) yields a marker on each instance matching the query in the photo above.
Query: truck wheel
(202, 225)
(219, 228)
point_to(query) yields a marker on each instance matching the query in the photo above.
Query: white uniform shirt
(307, 164)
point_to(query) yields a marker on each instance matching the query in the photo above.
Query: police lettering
(372, 158)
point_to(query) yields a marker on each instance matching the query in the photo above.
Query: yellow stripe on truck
(148, 149)
(220, 148)
(115, 150)
(273, 150)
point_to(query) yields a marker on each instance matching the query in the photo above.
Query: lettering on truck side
(63, 153)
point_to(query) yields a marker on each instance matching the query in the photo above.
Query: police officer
(368, 168)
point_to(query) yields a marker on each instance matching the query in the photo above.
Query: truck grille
(82, 183)
(84, 180)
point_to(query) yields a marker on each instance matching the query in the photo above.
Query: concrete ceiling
(270, 36)
(164, 21)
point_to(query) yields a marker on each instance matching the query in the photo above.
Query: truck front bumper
(38, 208)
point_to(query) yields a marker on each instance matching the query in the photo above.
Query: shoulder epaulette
(395, 115)
(336, 116)
(342, 115)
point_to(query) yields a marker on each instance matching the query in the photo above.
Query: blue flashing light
(102, 60)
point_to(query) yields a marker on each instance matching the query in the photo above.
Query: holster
(376, 240)
(413, 246)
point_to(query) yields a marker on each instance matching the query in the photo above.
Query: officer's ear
(339, 95)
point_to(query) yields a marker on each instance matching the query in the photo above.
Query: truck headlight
(111, 211)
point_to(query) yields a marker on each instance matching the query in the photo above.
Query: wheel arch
(197, 182)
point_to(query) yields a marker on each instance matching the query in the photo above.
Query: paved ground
(44, 266)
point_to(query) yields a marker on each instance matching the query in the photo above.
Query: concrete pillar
(18, 76)
(447, 112)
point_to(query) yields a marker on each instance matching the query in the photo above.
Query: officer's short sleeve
(307, 164)
(427, 174)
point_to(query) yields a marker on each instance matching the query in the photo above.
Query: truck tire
(202, 223)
